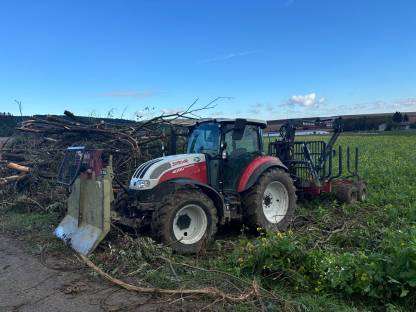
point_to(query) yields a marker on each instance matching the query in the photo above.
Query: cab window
(249, 143)
(204, 138)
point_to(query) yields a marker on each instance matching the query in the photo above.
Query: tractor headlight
(142, 184)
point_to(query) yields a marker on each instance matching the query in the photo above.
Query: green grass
(342, 258)
(370, 259)
(34, 229)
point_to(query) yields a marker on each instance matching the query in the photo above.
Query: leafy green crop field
(336, 257)
(363, 254)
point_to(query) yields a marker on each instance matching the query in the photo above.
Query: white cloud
(259, 107)
(227, 56)
(386, 106)
(307, 100)
(407, 102)
(380, 106)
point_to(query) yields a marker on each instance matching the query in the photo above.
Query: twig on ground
(35, 202)
(258, 295)
(222, 273)
(342, 228)
(210, 292)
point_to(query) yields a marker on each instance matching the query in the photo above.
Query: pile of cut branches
(29, 161)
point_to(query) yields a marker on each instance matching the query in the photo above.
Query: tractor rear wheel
(271, 202)
(185, 220)
(362, 191)
(346, 193)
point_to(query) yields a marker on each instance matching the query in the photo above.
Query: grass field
(335, 258)
(364, 253)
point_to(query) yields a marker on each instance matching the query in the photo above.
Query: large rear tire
(362, 193)
(346, 193)
(185, 220)
(271, 202)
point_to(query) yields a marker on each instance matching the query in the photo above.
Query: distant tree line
(367, 123)
(8, 123)
(399, 117)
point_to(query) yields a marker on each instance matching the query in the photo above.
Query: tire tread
(163, 215)
(253, 197)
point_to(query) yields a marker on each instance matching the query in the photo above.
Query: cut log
(6, 180)
(18, 167)
(13, 156)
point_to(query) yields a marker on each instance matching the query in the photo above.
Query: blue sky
(276, 59)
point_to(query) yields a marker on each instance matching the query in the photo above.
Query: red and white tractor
(183, 199)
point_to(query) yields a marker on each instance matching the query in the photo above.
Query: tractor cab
(229, 145)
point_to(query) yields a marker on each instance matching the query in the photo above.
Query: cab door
(239, 153)
(205, 138)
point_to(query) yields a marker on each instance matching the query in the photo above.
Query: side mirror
(239, 127)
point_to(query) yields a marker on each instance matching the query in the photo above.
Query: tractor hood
(156, 171)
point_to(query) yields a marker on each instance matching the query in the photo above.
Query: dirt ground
(29, 284)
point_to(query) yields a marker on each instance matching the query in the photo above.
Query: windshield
(204, 139)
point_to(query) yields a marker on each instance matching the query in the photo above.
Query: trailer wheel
(271, 202)
(362, 191)
(185, 220)
(346, 193)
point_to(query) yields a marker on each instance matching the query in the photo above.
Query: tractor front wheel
(271, 202)
(185, 221)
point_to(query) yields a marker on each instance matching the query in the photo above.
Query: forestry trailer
(224, 176)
